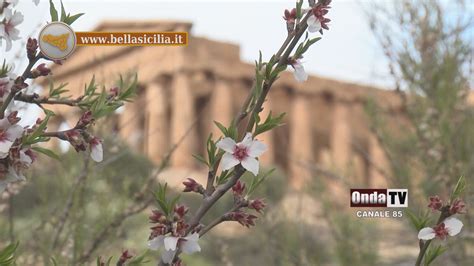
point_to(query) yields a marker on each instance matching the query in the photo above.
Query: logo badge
(393, 198)
(57, 40)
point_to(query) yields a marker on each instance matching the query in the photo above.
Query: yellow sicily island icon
(59, 41)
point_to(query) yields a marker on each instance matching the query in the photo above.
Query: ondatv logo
(394, 198)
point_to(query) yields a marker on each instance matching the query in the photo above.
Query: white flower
(451, 226)
(244, 152)
(8, 134)
(36, 2)
(299, 73)
(97, 152)
(188, 245)
(7, 28)
(314, 25)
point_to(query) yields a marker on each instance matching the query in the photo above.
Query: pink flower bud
(190, 185)
(156, 216)
(435, 203)
(257, 204)
(114, 91)
(41, 70)
(180, 211)
(76, 139)
(85, 120)
(31, 48)
(238, 189)
(458, 206)
(242, 218)
(290, 16)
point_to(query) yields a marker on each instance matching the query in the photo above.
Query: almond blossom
(188, 245)
(8, 134)
(7, 27)
(317, 22)
(19, 160)
(450, 226)
(244, 153)
(299, 73)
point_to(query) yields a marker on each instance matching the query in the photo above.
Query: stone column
(221, 106)
(340, 141)
(378, 160)
(157, 142)
(301, 144)
(130, 126)
(267, 158)
(183, 117)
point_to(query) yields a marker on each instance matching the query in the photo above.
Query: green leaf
(46, 152)
(418, 221)
(52, 11)
(7, 255)
(459, 188)
(222, 128)
(138, 260)
(73, 18)
(269, 123)
(432, 253)
(299, 4)
(200, 159)
(63, 13)
(257, 181)
(35, 137)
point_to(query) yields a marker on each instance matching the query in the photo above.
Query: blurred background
(388, 105)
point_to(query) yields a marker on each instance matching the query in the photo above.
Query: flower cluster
(450, 225)
(170, 232)
(316, 23)
(9, 23)
(14, 158)
(241, 201)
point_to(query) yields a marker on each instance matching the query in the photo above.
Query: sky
(348, 51)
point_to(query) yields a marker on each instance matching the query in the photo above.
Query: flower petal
(97, 152)
(226, 144)
(168, 256)
(229, 161)
(14, 132)
(156, 243)
(426, 233)
(5, 147)
(191, 244)
(16, 19)
(257, 148)
(314, 25)
(247, 141)
(251, 164)
(171, 242)
(299, 73)
(454, 225)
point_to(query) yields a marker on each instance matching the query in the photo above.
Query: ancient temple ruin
(326, 126)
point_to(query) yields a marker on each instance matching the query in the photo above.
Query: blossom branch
(36, 99)
(18, 82)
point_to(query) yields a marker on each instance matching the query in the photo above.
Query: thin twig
(70, 201)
